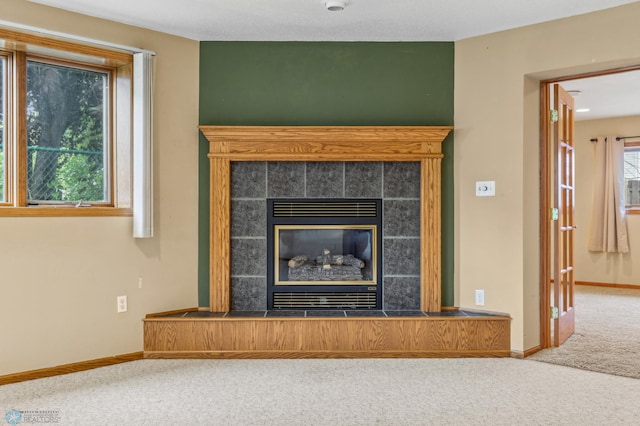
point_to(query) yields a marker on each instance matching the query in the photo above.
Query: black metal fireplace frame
(365, 290)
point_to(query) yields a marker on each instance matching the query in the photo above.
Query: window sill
(633, 211)
(63, 211)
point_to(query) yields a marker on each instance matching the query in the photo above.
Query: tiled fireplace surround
(396, 183)
(400, 164)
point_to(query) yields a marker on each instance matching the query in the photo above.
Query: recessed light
(583, 110)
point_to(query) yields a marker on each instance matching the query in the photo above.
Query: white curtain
(142, 145)
(608, 227)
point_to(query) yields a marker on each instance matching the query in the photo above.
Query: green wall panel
(299, 83)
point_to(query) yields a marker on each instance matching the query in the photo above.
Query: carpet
(322, 392)
(607, 335)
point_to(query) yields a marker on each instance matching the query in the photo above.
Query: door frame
(546, 142)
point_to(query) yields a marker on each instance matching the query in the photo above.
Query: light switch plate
(486, 188)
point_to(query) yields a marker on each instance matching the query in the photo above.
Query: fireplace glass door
(324, 253)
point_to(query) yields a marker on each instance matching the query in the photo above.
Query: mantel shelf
(318, 143)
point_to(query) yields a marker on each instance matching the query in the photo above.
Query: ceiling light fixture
(583, 110)
(335, 6)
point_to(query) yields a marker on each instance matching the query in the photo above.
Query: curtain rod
(617, 138)
(71, 37)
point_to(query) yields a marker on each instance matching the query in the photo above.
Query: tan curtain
(608, 228)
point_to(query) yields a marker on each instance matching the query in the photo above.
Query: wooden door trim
(545, 209)
(564, 227)
(545, 227)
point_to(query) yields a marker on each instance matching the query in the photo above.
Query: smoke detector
(335, 6)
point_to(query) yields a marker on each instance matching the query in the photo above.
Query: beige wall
(59, 277)
(496, 137)
(602, 267)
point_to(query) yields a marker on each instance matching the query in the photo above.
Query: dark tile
(364, 313)
(205, 314)
(401, 293)
(248, 256)
(276, 313)
(248, 294)
(325, 179)
(402, 256)
(363, 179)
(401, 180)
(177, 315)
(249, 218)
(447, 314)
(326, 313)
(285, 179)
(485, 314)
(401, 218)
(246, 314)
(404, 313)
(248, 179)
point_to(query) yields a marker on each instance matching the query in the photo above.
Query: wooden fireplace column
(325, 143)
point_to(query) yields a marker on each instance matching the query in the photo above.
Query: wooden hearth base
(174, 336)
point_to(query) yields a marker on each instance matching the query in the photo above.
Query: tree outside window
(67, 133)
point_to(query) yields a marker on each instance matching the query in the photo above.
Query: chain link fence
(55, 174)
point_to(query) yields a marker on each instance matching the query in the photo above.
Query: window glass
(3, 156)
(67, 148)
(632, 175)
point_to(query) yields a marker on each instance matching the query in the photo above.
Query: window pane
(632, 176)
(66, 124)
(3, 156)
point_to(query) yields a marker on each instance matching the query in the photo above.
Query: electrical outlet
(139, 282)
(122, 304)
(479, 297)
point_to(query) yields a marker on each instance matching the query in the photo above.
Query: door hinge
(553, 115)
(554, 213)
(554, 312)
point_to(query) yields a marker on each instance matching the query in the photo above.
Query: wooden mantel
(325, 143)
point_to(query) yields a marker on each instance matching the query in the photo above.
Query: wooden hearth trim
(326, 337)
(324, 143)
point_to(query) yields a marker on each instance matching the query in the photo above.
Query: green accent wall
(327, 83)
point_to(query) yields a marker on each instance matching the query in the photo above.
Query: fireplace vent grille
(325, 300)
(325, 209)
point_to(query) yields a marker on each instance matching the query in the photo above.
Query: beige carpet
(340, 392)
(607, 336)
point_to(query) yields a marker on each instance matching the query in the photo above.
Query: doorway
(609, 83)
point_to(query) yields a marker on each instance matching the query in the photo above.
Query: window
(3, 108)
(632, 174)
(65, 135)
(67, 140)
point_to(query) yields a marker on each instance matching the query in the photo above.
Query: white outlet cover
(480, 297)
(486, 188)
(122, 304)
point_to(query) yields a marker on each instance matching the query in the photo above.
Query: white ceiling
(308, 20)
(613, 95)
(367, 20)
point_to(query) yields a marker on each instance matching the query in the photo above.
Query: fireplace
(324, 253)
(298, 144)
(272, 159)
